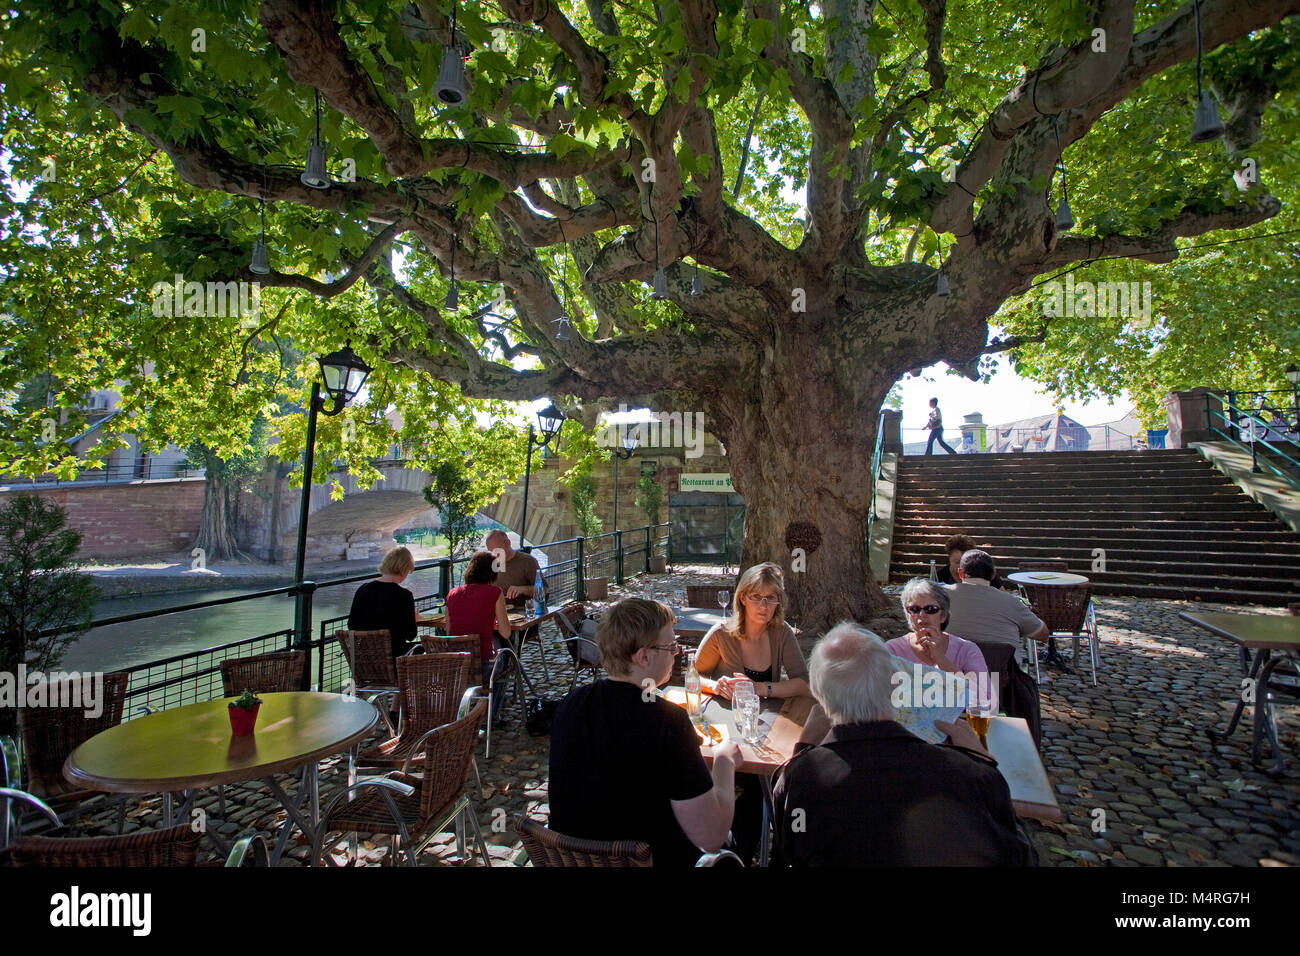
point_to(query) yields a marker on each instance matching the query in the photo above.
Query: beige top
(720, 654)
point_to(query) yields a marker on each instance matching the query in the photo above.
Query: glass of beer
(978, 717)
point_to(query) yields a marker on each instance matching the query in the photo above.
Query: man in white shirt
(981, 612)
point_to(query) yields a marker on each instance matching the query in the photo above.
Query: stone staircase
(1169, 524)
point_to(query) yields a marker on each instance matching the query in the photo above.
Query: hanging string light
(261, 261)
(1064, 217)
(453, 295)
(450, 88)
(1207, 125)
(314, 175)
(562, 323)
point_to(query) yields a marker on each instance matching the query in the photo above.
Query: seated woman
(385, 604)
(479, 607)
(926, 605)
(955, 547)
(756, 643)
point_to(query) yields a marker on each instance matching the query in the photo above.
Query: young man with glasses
(625, 763)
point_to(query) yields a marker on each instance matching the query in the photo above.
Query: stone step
(1132, 569)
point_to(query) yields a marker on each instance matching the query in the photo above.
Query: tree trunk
(800, 439)
(217, 523)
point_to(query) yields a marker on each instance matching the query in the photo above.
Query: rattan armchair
(456, 644)
(374, 669)
(432, 686)
(279, 671)
(50, 733)
(545, 847)
(584, 655)
(413, 808)
(706, 595)
(1067, 611)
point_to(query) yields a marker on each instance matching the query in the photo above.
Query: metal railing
(876, 456)
(196, 675)
(150, 469)
(1244, 428)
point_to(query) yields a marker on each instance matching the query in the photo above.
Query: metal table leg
(765, 833)
(1260, 657)
(309, 790)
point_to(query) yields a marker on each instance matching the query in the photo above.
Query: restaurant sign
(707, 482)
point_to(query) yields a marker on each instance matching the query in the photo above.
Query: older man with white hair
(873, 794)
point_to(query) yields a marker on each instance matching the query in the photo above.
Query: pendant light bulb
(1064, 218)
(450, 88)
(659, 286)
(1208, 126)
(941, 285)
(261, 261)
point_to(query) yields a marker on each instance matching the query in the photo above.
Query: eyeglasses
(674, 646)
(763, 600)
(928, 609)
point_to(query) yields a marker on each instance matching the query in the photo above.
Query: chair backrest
(176, 846)
(998, 655)
(706, 595)
(432, 686)
(1049, 565)
(370, 657)
(578, 636)
(448, 752)
(547, 848)
(51, 732)
(1062, 607)
(279, 671)
(456, 644)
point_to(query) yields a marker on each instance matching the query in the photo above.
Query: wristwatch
(769, 688)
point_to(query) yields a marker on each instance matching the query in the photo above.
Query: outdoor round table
(1049, 579)
(188, 748)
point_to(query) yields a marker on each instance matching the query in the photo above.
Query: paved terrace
(1134, 746)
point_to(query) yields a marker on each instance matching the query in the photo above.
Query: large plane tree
(810, 178)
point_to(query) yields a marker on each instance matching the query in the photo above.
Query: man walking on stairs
(936, 430)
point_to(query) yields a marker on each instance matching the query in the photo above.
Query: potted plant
(243, 713)
(650, 499)
(583, 493)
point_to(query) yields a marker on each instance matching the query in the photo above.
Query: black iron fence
(143, 469)
(196, 675)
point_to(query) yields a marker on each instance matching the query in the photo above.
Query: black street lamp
(621, 454)
(1293, 376)
(549, 419)
(344, 374)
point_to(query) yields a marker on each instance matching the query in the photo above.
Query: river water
(139, 642)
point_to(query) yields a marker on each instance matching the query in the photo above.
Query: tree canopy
(800, 172)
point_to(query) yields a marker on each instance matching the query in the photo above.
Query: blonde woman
(386, 605)
(755, 643)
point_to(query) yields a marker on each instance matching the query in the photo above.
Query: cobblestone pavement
(1138, 780)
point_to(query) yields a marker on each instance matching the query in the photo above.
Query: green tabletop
(1276, 632)
(191, 747)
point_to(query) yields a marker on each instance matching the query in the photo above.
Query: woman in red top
(479, 607)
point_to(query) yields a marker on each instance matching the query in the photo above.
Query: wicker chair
(456, 644)
(264, 673)
(584, 655)
(51, 733)
(432, 686)
(412, 808)
(1067, 611)
(374, 669)
(175, 846)
(706, 595)
(547, 848)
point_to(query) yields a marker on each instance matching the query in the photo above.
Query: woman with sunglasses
(756, 643)
(926, 605)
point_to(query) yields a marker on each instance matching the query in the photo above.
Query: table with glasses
(694, 622)
(1032, 579)
(185, 749)
(1264, 634)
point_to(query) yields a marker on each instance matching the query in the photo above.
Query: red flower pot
(242, 721)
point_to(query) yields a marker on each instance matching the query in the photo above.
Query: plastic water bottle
(934, 570)
(692, 688)
(539, 594)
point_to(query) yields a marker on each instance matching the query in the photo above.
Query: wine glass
(679, 598)
(741, 692)
(724, 598)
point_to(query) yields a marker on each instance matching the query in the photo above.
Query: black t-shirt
(383, 605)
(617, 761)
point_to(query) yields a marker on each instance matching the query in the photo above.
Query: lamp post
(621, 454)
(344, 374)
(549, 419)
(1293, 376)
